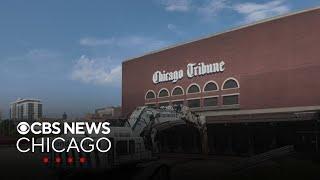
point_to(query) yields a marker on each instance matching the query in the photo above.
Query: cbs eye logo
(23, 128)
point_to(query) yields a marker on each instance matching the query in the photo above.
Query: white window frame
(192, 85)
(163, 102)
(230, 78)
(155, 95)
(196, 98)
(164, 96)
(207, 84)
(178, 94)
(231, 95)
(206, 97)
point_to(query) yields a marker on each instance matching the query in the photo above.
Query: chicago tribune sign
(193, 70)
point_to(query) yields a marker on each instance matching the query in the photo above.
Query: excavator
(135, 142)
(147, 121)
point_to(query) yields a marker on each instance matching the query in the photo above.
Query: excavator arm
(147, 121)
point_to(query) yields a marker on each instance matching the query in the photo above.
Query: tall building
(26, 109)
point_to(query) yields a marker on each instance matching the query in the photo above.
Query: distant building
(49, 119)
(64, 116)
(108, 112)
(26, 109)
(103, 114)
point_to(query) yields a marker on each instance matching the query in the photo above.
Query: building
(256, 84)
(26, 110)
(111, 111)
(106, 113)
(64, 116)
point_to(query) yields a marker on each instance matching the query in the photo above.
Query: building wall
(26, 109)
(108, 112)
(276, 63)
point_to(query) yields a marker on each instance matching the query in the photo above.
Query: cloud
(134, 41)
(207, 9)
(254, 11)
(175, 29)
(107, 70)
(176, 5)
(31, 62)
(96, 71)
(211, 9)
(123, 47)
(89, 41)
(172, 27)
(35, 55)
(125, 42)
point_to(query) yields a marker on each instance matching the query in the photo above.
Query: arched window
(193, 88)
(177, 91)
(163, 93)
(150, 94)
(230, 83)
(210, 86)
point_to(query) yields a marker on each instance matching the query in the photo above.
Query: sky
(69, 53)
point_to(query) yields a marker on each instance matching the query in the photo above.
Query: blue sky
(69, 53)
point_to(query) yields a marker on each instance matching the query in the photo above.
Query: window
(131, 147)
(230, 84)
(212, 101)
(231, 100)
(177, 102)
(210, 86)
(122, 147)
(151, 105)
(164, 104)
(177, 91)
(40, 110)
(31, 111)
(150, 95)
(194, 88)
(193, 103)
(138, 145)
(163, 93)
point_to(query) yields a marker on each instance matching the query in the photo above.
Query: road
(16, 165)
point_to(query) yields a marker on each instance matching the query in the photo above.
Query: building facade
(271, 64)
(257, 86)
(26, 110)
(108, 111)
(103, 114)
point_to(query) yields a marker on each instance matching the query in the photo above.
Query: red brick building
(270, 64)
(257, 86)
